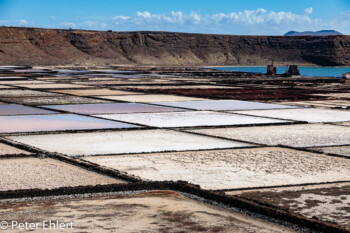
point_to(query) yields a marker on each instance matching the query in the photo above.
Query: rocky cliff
(31, 46)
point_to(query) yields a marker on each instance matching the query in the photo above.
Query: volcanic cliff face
(29, 46)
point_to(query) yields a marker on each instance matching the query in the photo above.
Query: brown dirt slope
(33, 46)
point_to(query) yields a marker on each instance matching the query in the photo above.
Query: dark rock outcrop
(31, 46)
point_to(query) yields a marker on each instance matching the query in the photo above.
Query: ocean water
(304, 71)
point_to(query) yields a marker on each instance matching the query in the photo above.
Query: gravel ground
(10, 150)
(35, 173)
(338, 150)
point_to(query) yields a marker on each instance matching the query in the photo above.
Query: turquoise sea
(304, 70)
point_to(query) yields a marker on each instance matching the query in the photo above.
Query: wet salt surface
(309, 115)
(54, 86)
(222, 105)
(37, 123)
(32, 71)
(152, 211)
(235, 168)
(30, 173)
(189, 118)
(121, 142)
(13, 109)
(151, 98)
(306, 135)
(96, 92)
(112, 108)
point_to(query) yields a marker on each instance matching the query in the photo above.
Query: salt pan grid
(122, 142)
(37, 123)
(96, 92)
(13, 109)
(224, 105)
(112, 108)
(190, 118)
(236, 168)
(151, 98)
(53, 86)
(305, 135)
(54, 100)
(309, 115)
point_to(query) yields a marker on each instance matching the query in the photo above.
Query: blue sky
(250, 17)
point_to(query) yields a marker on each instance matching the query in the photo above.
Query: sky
(244, 17)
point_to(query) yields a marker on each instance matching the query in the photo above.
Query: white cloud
(20, 22)
(259, 21)
(90, 23)
(174, 17)
(23, 22)
(248, 22)
(120, 19)
(308, 11)
(146, 18)
(195, 17)
(69, 25)
(144, 14)
(260, 16)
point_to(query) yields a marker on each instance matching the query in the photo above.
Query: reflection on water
(111, 108)
(13, 109)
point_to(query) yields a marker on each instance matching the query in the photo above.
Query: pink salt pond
(37, 123)
(112, 108)
(14, 109)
